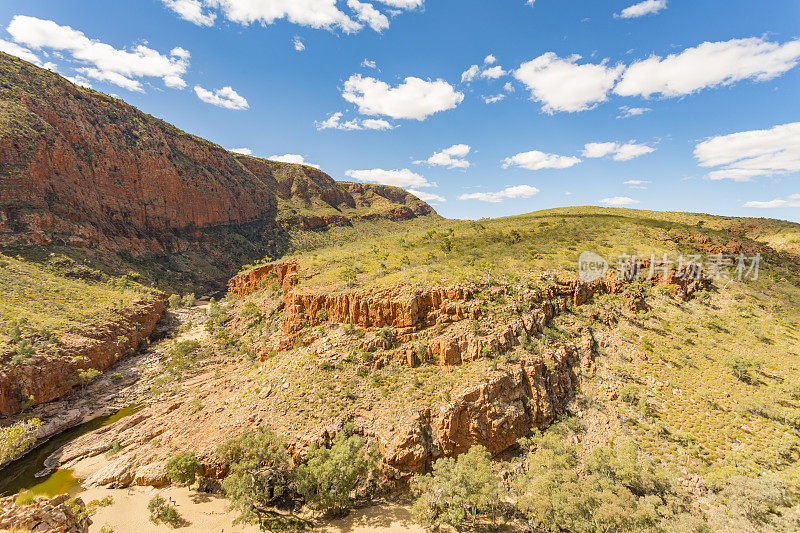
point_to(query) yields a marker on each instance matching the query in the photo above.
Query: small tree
(162, 512)
(87, 376)
(260, 474)
(183, 468)
(330, 475)
(457, 491)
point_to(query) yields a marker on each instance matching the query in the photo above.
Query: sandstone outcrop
(282, 273)
(397, 307)
(56, 515)
(495, 413)
(95, 346)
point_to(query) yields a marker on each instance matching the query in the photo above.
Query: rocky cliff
(78, 167)
(93, 347)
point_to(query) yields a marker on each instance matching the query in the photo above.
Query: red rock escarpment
(78, 167)
(398, 307)
(98, 346)
(495, 413)
(247, 283)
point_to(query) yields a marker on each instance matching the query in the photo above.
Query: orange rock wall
(48, 377)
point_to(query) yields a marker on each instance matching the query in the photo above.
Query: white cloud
(397, 178)
(564, 85)
(489, 60)
(426, 196)
(80, 80)
(520, 191)
(793, 200)
(637, 184)
(620, 152)
(708, 65)
(367, 14)
(295, 159)
(627, 112)
(470, 74)
(403, 4)
(105, 62)
(191, 10)
(648, 7)
(112, 77)
(453, 157)
(368, 63)
(312, 13)
(243, 151)
(335, 122)
(619, 200)
(412, 99)
(494, 99)
(493, 73)
(536, 160)
(749, 154)
(225, 97)
(508, 87)
(298, 44)
(19, 51)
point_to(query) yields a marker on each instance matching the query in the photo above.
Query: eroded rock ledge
(97, 346)
(45, 515)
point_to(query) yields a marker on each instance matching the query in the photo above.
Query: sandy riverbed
(209, 514)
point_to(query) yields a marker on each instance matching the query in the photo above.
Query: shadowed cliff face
(81, 168)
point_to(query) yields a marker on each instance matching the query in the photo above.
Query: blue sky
(718, 128)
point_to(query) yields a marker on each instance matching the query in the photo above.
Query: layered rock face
(398, 307)
(95, 346)
(78, 167)
(495, 413)
(57, 515)
(408, 310)
(283, 273)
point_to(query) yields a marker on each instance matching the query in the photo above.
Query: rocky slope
(81, 168)
(49, 376)
(57, 515)
(438, 333)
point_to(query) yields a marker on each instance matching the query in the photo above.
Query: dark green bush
(183, 468)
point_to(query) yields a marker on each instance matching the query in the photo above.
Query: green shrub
(386, 334)
(183, 468)
(113, 448)
(630, 393)
(85, 377)
(18, 438)
(458, 490)
(161, 512)
(24, 498)
(214, 309)
(616, 491)
(94, 505)
(322, 314)
(188, 300)
(329, 476)
(762, 502)
(260, 473)
(175, 301)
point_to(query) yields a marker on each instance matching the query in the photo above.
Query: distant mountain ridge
(81, 168)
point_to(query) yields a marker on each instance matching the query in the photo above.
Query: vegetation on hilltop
(509, 249)
(689, 420)
(47, 296)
